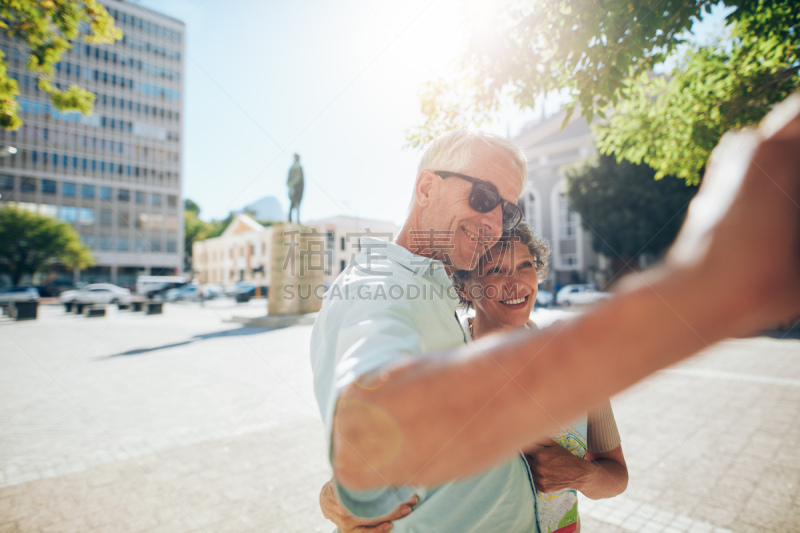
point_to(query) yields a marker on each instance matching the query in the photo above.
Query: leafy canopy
(602, 54)
(627, 212)
(30, 242)
(47, 29)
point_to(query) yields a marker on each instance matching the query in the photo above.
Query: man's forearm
(450, 415)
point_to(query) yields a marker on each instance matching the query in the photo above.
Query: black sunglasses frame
(512, 214)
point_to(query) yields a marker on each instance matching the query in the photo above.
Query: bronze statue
(296, 184)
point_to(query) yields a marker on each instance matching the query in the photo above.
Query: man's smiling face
(468, 233)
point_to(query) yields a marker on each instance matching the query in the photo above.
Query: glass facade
(120, 166)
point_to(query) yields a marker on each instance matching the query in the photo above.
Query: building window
(172, 200)
(140, 197)
(171, 247)
(105, 193)
(87, 191)
(123, 219)
(342, 244)
(123, 195)
(87, 216)
(171, 223)
(342, 264)
(155, 246)
(68, 214)
(105, 217)
(6, 182)
(68, 188)
(568, 219)
(156, 199)
(122, 244)
(28, 185)
(140, 245)
(105, 243)
(49, 186)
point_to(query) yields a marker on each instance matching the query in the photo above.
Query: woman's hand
(554, 468)
(347, 523)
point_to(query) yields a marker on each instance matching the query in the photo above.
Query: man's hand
(555, 468)
(347, 523)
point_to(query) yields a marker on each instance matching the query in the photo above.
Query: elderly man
(411, 410)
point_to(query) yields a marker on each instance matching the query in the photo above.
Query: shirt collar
(433, 269)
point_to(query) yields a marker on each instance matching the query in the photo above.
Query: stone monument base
(297, 267)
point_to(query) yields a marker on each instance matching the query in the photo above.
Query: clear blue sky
(335, 81)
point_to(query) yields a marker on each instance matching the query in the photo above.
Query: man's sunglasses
(484, 197)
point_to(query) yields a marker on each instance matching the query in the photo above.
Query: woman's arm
(555, 468)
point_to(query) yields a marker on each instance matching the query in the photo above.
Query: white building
(243, 251)
(548, 149)
(114, 175)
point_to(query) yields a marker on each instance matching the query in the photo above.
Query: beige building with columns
(243, 251)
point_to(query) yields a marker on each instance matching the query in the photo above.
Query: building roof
(242, 223)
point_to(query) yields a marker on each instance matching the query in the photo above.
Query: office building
(115, 175)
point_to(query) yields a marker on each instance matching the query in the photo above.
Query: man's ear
(427, 184)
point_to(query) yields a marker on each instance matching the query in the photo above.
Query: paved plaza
(186, 422)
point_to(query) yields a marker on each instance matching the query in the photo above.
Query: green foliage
(627, 212)
(30, 242)
(47, 29)
(672, 123)
(191, 205)
(603, 54)
(194, 229)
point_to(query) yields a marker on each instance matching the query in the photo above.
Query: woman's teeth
(514, 302)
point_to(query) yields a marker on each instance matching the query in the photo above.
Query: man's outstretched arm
(734, 269)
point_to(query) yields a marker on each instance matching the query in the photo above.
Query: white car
(97, 293)
(544, 298)
(19, 293)
(583, 294)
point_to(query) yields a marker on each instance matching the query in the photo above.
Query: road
(184, 422)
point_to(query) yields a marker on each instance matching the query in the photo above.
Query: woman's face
(503, 287)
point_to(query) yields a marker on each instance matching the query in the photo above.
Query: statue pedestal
(297, 269)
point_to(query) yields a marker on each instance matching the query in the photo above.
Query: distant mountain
(266, 208)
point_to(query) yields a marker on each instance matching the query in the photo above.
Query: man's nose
(493, 222)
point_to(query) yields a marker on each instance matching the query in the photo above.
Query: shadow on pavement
(242, 331)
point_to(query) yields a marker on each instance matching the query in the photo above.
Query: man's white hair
(453, 152)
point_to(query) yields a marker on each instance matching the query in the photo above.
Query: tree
(191, 205)
(194, 229)
(603, 55)
(47, 29)
(626, 210)
(30, 242)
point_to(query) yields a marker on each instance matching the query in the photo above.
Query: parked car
(187, 293)
(544, 298)
(211, 291)
(581, 294)
(97, 293)
(245, 292)
(18, 293)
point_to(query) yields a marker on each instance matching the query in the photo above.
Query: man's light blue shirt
(387, 305)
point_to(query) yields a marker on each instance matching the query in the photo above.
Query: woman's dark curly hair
(539, 248)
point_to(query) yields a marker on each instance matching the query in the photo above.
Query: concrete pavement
(182, 422)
